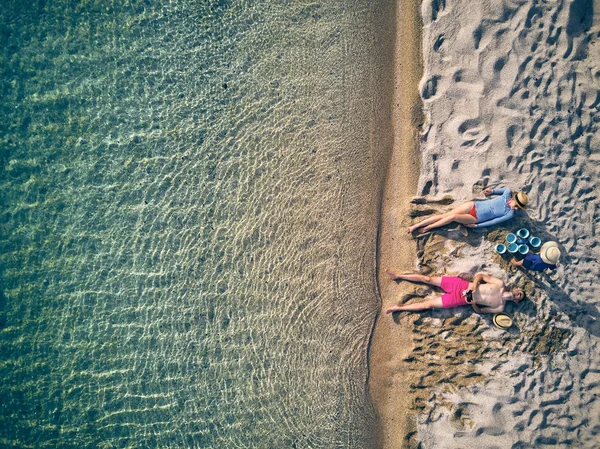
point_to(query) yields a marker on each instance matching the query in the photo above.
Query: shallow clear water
(188, 223)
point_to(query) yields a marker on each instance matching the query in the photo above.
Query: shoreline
(391, 342)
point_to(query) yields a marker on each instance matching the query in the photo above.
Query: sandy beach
(510, 94)
(392, 343)
(200, 200)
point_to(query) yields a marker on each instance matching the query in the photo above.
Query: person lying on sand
(478, 214)
(546, 259)
(490, 297)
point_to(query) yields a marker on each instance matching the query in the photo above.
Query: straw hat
(521, 199)
(550, 253)
(502, 320)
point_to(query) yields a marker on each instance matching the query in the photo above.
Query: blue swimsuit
(491, 212)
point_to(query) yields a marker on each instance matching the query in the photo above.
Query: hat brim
(549, 261)
(519, 203)
(502, 320)
(544, 253)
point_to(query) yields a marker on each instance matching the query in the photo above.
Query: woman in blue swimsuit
(478, 214)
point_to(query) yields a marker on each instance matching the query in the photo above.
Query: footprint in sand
(473, 133)
(430, 88)
(437, 9)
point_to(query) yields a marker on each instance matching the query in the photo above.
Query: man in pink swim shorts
(456, 290)
(488, 297)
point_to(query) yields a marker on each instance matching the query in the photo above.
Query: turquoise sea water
(190, 196)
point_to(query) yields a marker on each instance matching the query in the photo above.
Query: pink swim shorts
(454, 287)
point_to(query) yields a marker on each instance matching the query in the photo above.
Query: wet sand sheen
(391, 343)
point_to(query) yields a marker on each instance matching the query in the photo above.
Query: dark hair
(524, 295)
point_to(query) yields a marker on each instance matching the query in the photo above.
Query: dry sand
(511, 94)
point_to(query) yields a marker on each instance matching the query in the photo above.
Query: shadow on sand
(581, 314)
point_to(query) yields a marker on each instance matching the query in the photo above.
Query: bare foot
(391, 274)
(393, 309)
(412, 229)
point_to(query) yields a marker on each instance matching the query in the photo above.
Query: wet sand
(392, 342)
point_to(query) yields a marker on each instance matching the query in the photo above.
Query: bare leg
(426, 222)
(415, 277)
(459, 218)
(435, 303)
(433, 222)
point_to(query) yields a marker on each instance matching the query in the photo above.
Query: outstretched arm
(476, 281)
(479, 277)
(500, 191)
